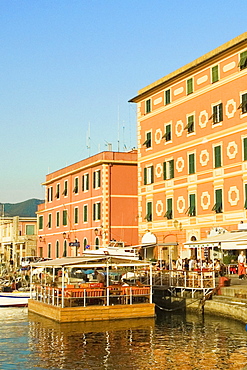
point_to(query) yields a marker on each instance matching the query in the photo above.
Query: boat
(15, 298)
(115, 249)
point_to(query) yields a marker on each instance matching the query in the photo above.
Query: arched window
(65, 248)
(84, 243)
(57, 249)
(97, 242)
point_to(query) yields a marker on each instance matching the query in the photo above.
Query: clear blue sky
(67, 65)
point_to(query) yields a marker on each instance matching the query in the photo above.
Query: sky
(69, 67)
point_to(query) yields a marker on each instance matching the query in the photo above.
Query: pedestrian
(241, 265)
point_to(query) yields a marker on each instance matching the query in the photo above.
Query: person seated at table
(100, 276)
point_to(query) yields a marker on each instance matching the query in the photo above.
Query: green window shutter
(243, 60)
(192, 209)
(65, 248)
(189, 86)
(99, 211)
(168, 213)
(164, 171)
(217, 156)
(85, 213)
(152, 174)
(83, 184)
(167, 97)
(29, 229)
(57, 219)
(245, 148)
(190, 124)
(168, 135)
(245, 196)
(148, 141)
(94, 212)
(148, 106)
(171, 169)
(145, 176)
(220, 112)
(76, 215)
(149, 211)
(94, 180)
(191, 163)
(99, 178)
(57, 249)
(244, 103)
(41, 222)
(215, 74)
(65, 218)
(87, 181)
(218, 201)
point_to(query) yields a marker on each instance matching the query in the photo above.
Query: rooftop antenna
(88, 143)
(118, 141)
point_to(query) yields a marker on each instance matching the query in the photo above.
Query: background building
(89, 204)
(192, 149)
(18, 239)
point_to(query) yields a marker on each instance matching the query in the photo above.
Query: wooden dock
(91, 313)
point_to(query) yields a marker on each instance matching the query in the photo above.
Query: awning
(87, 262)
(229, 240)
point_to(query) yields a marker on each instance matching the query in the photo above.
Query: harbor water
(186, 342)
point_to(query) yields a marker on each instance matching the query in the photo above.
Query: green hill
(23, 209)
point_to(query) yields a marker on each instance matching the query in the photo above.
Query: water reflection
(28, 341)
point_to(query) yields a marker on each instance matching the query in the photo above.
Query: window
(57, 195)
(148, 175)
(76, 185)
(57, 219)
(192, 164)
(148, 106)
(41, 222)
(190, 86)
(85, 213)
(85, 243)
(192, 205)
(217, 115)
(49, 250)
(57, 249)
(49, 221)
(30, 229)
(96, 211)
(243, 105)
(149, 211)
(50, 194)
(218, 208)
(85, 182)
(65, 191)
(148, 141)
(76, 215)
(215, 74)
(168, 133)
(217, 156)
(190, 124)
(96, 179)
(243, 60)
(65, 217)
(169, 212)
(168, 169)
(245, 195)
(167, 96)
(245, 148)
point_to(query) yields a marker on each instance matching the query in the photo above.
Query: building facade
(18, 239)
(88, 204)
(192, 149)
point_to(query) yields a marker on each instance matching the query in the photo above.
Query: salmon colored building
(88, 204)
(192, 149)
